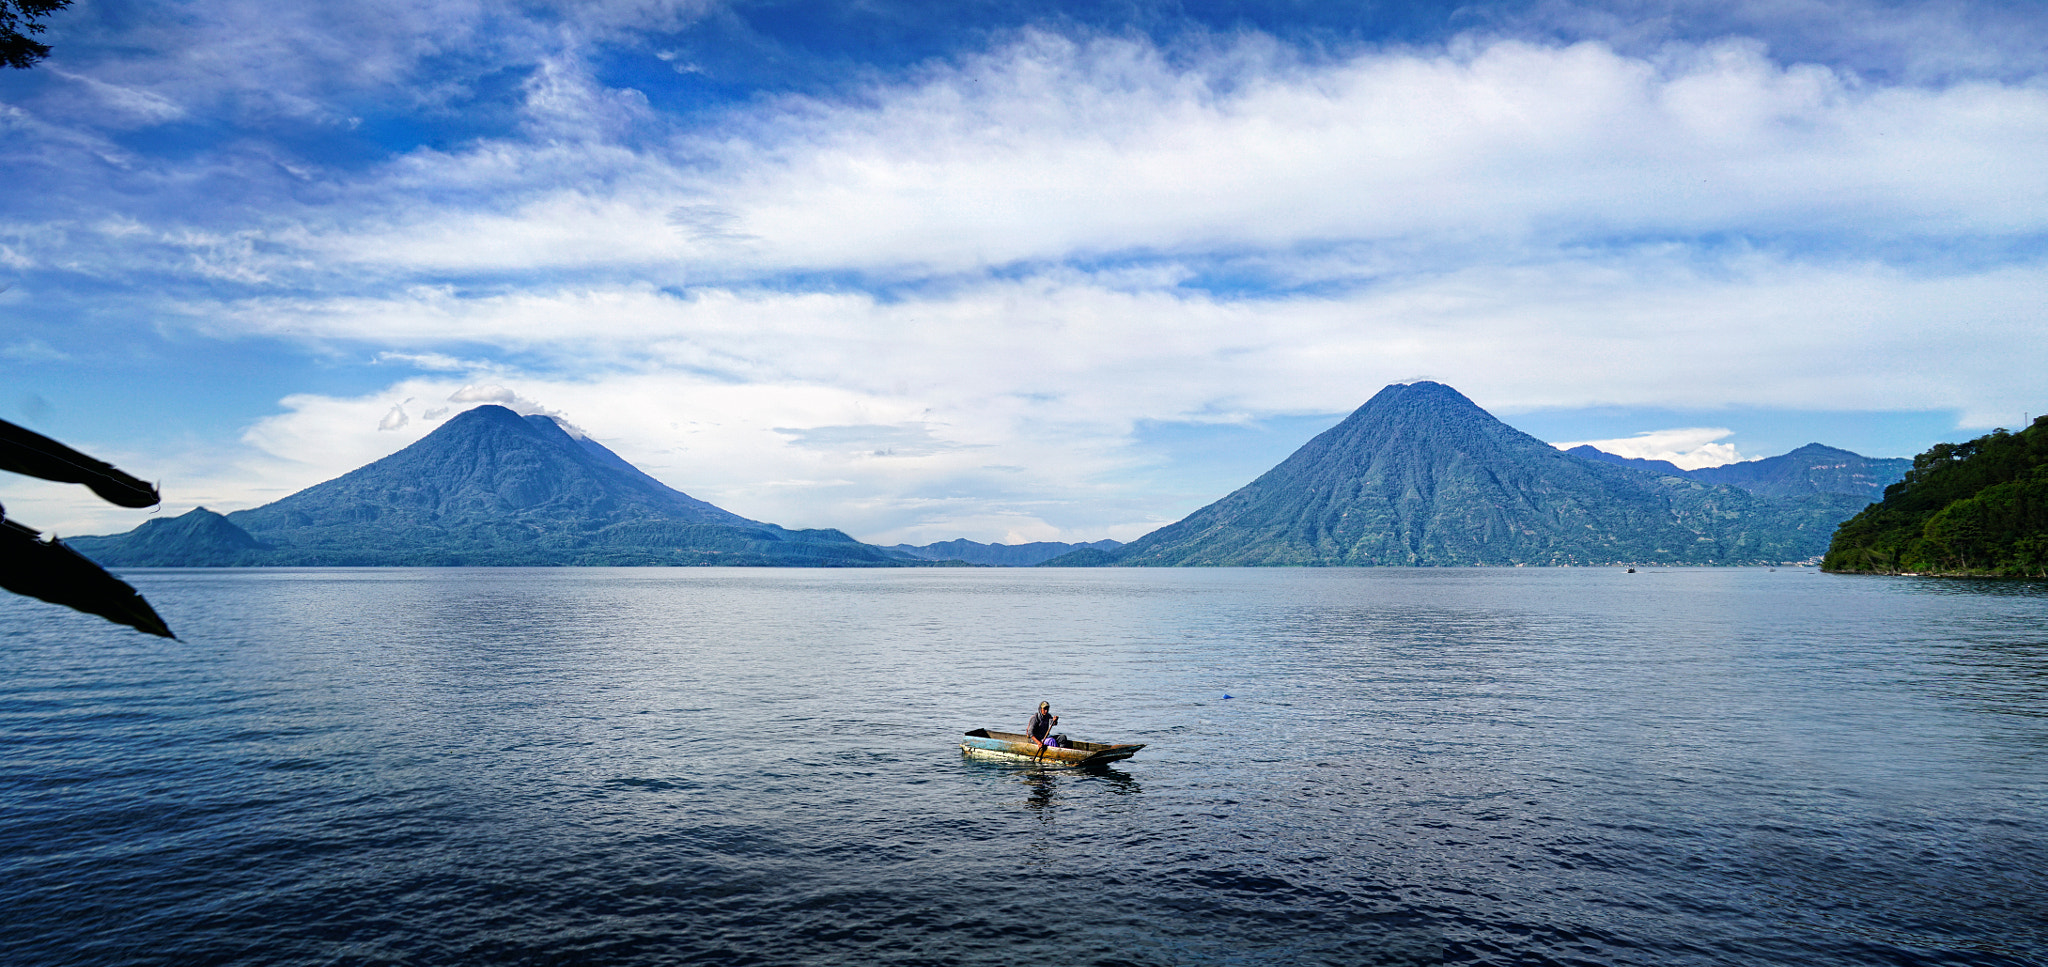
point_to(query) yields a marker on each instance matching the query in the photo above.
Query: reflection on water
(1116, 781)
(1047, 784)
(653, 766)
(1043, 788)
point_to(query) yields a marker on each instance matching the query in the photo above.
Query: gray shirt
(1041, 723)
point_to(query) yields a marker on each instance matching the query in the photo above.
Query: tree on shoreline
(1976, 508)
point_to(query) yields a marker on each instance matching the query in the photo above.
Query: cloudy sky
(1002, 270)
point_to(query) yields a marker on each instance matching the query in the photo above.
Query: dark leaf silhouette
(27, 452)
(55, 573)
(18, 19)
(47, 569)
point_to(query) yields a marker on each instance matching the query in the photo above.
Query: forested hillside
(1965, 508)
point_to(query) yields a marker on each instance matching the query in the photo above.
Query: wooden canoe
(1071, 753)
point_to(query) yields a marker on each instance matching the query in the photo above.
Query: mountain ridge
(486, 488)
(1418, 475)
(998, 555)
(1421, 476)
(1813, 468)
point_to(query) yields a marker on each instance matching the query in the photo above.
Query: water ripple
(655, 766)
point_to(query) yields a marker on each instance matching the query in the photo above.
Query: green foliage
(1978, 508)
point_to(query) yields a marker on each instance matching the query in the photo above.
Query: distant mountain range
(998, 555)
(1421, 476)
(1811, 469)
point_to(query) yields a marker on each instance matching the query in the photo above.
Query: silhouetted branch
(18, 19)
(60, 575)
(27, 452)
(47, 569)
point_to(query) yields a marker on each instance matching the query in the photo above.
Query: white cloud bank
(1021, 399)
(1687, 448)
(1014, 259)
(1052, 149)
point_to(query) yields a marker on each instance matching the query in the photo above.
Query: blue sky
(1009, 271)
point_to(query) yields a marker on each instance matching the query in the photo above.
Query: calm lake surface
(753, 766)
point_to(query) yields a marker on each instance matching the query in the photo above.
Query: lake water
(674, 766)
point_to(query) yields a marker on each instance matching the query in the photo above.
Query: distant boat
(1071, 753)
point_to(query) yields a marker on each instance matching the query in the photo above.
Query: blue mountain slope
(1589, 452)
(492, 488)
(1811, 469)
(1420, 475)
(998, 555)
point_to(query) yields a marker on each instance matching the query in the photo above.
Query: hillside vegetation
(1976, 508)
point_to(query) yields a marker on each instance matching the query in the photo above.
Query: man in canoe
(1040, 729)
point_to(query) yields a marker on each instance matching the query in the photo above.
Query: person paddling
(1040, 729)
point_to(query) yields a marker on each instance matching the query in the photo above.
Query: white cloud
(120, 105)
(396, 419)
(438, 362)
(565, 104)
(1688, 448)
(1053, 148)
(32, 350)
(780, 453)
(260, 59)
(489, 393)
(473, 394)
(871, 440)
(1655, 326)
(1011, 407)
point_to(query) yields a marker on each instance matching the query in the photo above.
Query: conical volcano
(1421, 476)
(490, 487)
